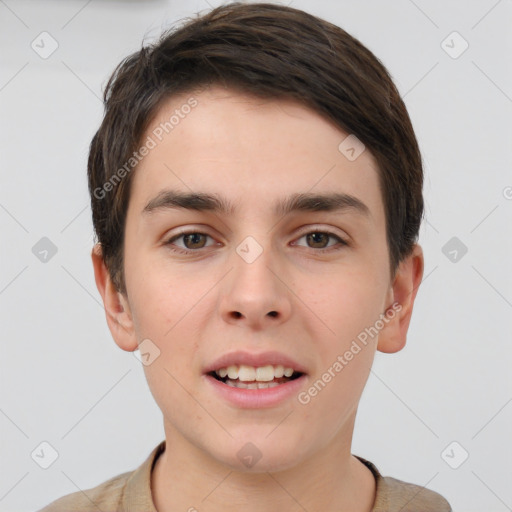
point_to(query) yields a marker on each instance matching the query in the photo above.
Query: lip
(257, 398)
(254, 359)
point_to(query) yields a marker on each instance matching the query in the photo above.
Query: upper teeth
(251, 373)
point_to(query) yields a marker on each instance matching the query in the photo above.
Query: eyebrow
(299, 202)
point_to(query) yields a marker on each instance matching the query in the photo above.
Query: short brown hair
(269, 51)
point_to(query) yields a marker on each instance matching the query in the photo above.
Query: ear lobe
(117, 309)
(402, 295)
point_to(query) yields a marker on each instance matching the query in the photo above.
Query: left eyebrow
(299, 202)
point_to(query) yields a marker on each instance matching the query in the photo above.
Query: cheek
(161, 297)
(166, 309)
(333, 393)
(348, 305)
(345, 303)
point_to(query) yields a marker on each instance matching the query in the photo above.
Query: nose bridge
(255, 293)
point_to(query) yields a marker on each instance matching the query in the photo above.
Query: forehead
(225, 142)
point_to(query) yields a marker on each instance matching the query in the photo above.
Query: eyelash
(342, 242)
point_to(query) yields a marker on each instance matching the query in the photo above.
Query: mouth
(255, 377)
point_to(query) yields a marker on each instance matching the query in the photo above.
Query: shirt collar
(137, 494)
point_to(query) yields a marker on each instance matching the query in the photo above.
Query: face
(256, 285)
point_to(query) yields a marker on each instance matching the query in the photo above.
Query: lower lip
(257, 398)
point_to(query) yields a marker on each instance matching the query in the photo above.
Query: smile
(256, 387)
(252, 377)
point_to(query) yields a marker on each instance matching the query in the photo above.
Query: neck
(185, 478)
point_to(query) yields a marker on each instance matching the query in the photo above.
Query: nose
(255, 293)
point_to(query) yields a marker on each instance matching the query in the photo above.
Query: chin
(266, 464)
(260, 454)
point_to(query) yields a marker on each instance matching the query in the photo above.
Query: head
(214, 131)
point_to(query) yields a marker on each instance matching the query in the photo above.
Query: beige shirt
(131, 492)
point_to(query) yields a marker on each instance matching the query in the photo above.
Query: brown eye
(320, 240)
(192, 241)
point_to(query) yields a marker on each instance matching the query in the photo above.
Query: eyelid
(312, 228)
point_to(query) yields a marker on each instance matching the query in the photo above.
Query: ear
(117, 309)
(402, 294)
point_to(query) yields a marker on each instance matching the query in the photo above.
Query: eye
(319, 239)
(193, 240)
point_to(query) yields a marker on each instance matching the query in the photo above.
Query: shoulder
(408, 497)
(105, 497)
(128, 491)
(394, 495)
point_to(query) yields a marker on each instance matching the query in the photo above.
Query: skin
(198, 306)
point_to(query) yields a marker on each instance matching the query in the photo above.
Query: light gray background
(63, 379)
